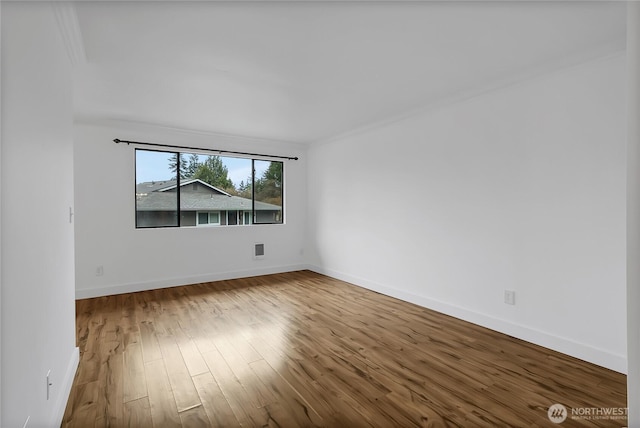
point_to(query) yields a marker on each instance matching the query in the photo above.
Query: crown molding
(69, 27)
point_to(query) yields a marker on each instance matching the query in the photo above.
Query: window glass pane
(156, 196)
(268, 191)
(216, 184)
(231, 175)
(203, 218)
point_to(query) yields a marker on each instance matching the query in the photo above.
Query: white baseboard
(86, 293)
(564, 345)
(65, 388)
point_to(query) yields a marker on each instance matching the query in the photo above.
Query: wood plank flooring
(303, 350)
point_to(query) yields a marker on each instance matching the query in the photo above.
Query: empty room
(319, 213)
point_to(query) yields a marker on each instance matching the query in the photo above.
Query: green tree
(244, 188)
(214, 172)
(176, 159)
(192, 167)
(274, 174)
(268, 188)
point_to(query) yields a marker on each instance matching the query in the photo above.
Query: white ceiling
(308, 71)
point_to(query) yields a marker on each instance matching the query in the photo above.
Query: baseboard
(65, 388)
(86, 293)
(564, 345)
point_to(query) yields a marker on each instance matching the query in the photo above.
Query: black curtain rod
(230, 152)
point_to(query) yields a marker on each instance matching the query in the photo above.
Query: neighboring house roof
(163, 186)
(159, 200)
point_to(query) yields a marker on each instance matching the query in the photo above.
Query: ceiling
(309, 71)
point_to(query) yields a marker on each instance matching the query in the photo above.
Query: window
(189, 189)
(155, 208)
(267, 191)
(208, 218)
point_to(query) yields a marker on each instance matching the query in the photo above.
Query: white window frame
(247, 218)
(198, 224)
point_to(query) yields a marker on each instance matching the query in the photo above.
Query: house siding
(188, 218)
(266, 216)
(155, 218)
(195, 188)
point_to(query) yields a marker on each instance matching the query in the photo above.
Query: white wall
(38, 326)
(633, 213)
(151, 258)
(0, 214)
(522, 188)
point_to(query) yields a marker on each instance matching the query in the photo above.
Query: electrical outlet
(99, 271)
(510, 297)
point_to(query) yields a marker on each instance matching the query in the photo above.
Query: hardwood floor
(300, 349)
